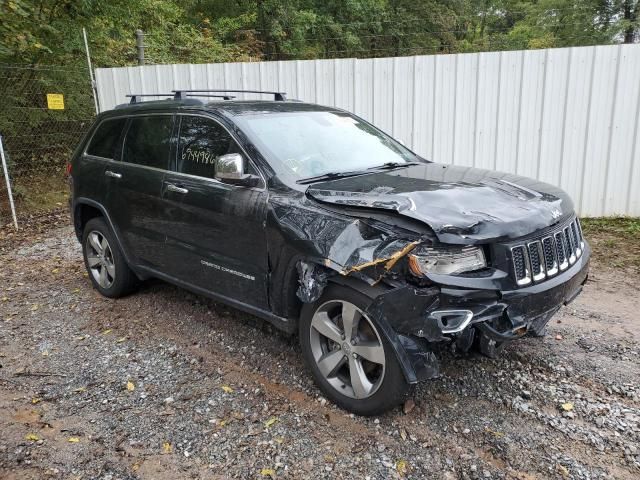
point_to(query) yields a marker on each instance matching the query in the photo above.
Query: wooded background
(42, 51)
(207, 31)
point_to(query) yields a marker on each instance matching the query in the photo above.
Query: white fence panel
(570, 117)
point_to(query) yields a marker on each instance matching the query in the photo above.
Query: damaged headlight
(447, 260)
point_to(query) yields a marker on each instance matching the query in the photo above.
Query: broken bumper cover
(443, 313)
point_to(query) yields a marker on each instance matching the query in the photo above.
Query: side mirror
(230, 169)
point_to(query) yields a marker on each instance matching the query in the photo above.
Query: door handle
(111, 174)
(174, 188)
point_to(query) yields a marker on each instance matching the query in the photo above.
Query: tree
(48, 31)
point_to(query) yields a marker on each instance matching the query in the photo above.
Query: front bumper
(516, 312)
(450, 312)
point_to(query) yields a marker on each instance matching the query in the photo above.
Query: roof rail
(135, 97)
(277, 96)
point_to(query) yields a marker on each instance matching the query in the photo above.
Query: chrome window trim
(98, 157)
(145, 167)
(207, 179)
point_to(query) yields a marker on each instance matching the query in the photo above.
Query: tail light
(68, 169)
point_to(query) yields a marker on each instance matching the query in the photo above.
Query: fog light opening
(452, 321)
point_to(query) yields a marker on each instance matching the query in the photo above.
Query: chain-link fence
(43, 113)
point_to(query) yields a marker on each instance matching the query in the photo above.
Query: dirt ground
(167, 385)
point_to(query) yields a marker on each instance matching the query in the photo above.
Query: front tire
(104, 260)
(350, 358)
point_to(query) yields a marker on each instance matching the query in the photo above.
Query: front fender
(416, 360)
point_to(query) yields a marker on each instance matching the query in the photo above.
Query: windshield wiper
(392, 165)
(331, 176)
(353, 173)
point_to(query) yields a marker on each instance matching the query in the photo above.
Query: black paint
(268, 248)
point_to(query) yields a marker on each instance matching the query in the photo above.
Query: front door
(215, 237)
(135, 190)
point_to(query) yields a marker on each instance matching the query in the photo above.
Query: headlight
(446, 260)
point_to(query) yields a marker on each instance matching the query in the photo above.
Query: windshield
(308, 144)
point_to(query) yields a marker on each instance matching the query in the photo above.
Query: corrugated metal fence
(568, 116)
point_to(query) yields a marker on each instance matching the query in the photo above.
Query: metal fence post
(93, 80)
(140, 46)
(6, 177)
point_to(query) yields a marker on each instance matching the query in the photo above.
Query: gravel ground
(165, 384)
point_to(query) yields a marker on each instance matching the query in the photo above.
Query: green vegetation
(615, 241)
(48, 31)
(627, 227)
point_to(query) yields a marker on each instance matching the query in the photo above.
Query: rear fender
(87, 201)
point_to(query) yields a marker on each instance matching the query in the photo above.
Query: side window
(105, 139)
(148, 141)
(201, 141)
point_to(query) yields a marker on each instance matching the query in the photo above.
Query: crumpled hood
(460, 204)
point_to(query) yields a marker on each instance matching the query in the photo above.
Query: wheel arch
(84, 210)
(399, 343)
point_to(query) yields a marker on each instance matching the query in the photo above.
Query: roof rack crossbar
(225, 97)
(136, 96)
(277, 96)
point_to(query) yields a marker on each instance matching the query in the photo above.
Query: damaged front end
(425, 294)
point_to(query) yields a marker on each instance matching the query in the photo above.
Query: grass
(36, 194)
(615, 241)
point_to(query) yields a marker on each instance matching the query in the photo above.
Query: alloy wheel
(100, 259)
(347, 349)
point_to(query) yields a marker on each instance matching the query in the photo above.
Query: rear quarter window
(105, 139)
(148, 141)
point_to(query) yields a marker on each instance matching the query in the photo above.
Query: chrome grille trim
(580, 233)
(539, 259)
(549, 250)
(561, 252)
(536, 259)
(570, 246)
(574, 236)
(521, 265)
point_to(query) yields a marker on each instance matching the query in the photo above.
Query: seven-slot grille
(543, 258)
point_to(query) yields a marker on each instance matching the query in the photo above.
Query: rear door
(101, 152)
(135, 187)
(215, 231)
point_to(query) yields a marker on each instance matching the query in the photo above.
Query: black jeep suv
(313, 219)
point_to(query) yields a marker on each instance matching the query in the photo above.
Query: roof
(225, 107)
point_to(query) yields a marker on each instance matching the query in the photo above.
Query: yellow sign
(55, 101)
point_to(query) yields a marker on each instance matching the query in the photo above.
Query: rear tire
(351, 360)
(104, 260)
